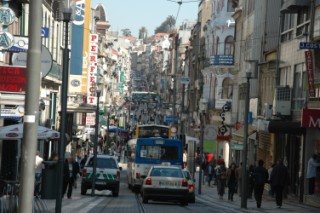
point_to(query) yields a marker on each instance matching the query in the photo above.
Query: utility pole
(175, 70)
(245, 147)
(64, 101)
(30, 125)
(95, 145)
(202, 125)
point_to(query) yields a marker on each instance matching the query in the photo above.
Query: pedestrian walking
(260, 177)
(221, 179)
(239, 181)
(271, 191)
(185, 158)
(83, 161)
(204, 167)
(38, 173)
(77, 160)
(70, 172)
(231, 180)
(213, 172)
(38, 166)
(210, 169)
(279, 180)
(250, 181)
(312, 172)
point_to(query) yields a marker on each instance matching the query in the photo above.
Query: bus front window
(159, 152)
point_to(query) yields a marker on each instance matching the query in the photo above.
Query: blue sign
(169, 119)
(309, 45)
(222, 60)
(45, 32)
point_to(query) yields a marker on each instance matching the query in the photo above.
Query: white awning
(189, 138)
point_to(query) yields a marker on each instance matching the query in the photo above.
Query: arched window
(228, 46)
(227, 88)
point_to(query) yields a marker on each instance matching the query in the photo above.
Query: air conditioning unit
(267, 112)
(282, 101)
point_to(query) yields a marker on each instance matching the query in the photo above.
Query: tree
(143, 33)
(167, 26)
(126, 32)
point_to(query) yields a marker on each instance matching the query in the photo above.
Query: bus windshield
(149, 131)
(159, 152)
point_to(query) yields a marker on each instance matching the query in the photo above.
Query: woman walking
(231, 181)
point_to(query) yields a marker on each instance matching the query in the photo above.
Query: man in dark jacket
(260, 177)
(70, 170)
(279, 179)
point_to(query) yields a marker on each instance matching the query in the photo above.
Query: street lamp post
(95, 144)
(245, 149)
(64, 97)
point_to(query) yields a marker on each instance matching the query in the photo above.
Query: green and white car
(107, 175)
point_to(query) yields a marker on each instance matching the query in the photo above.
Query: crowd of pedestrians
(217, 173)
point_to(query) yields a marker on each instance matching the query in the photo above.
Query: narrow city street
(128, 202)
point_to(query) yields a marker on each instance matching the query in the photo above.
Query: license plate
(167, 183)
(100, 182)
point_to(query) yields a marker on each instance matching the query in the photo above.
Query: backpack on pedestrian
(221, 172)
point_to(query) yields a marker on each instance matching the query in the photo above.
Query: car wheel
(144, 199)
(184, 203)
(192, 200)
(83, 190)
(115, 193)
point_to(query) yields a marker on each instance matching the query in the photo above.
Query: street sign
(184, 80)
(45, 32)
(169, 119)
(20, 59)
(309, 45)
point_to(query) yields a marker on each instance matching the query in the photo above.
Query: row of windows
(295, 25)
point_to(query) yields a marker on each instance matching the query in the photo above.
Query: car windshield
(108, 163)
(166, 172)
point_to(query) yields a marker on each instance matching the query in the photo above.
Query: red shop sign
(12, 79)
(310, 118)
(310, 68)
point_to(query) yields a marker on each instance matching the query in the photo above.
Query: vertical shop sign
(310, 72)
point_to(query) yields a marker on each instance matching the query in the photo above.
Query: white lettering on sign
(314, 123)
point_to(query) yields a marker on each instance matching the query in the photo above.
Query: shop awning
(238, 135)
(293, 6)
(189, 138)
(286, 127)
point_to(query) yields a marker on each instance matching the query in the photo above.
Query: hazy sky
(133, 14)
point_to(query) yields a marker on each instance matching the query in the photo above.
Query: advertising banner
(13, 79)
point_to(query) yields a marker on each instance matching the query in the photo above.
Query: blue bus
(145, 152)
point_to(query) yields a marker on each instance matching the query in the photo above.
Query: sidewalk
(210, 196)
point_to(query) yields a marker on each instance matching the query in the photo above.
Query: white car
(191, 182)
(165, 183)
(107, 175)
